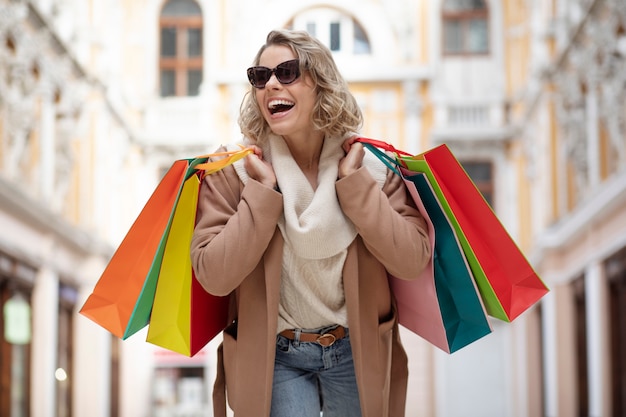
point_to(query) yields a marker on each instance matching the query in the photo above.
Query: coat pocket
(230, 363)
(385, 336)
(386, 340)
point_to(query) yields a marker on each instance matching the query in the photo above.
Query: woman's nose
(272, 82)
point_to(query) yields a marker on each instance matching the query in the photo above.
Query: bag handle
(377, 147)
(231, 157)
(391, 163)
(382, 145)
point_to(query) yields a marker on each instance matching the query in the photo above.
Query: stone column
(45, 304)
(550, 353)
(598, 340)
(413, 118)
(92, 353)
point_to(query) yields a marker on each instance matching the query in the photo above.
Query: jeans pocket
(282, 344)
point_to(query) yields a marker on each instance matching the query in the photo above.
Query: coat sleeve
(234, 225)
(392, 228)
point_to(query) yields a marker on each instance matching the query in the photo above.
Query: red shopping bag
(442, 305)
(122, 300)
(509, 276)
(507, 282)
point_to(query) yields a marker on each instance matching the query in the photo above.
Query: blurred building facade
(97, 98)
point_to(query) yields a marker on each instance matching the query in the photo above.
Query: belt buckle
(327, 339)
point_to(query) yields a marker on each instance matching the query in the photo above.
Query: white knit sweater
(317, 235)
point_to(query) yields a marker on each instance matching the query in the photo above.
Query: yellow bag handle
(231, 157)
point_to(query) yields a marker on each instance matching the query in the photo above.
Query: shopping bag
(507, 282)
(442, 305)
(121, 300)
(181, 306)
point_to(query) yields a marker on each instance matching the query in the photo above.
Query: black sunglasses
(285, 72)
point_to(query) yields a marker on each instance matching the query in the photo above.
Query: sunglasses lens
(259, 76)
(286, 73)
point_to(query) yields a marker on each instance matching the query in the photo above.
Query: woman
(302, 234)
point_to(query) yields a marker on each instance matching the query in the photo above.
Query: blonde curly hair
(336, 112)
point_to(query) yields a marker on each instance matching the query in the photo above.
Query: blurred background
(99, 97)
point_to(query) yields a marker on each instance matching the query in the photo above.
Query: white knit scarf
(313, 224)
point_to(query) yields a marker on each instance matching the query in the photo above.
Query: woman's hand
(353, 159)
(259, 169)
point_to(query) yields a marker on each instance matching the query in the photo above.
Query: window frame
(323, 19)
(615, 267)
(464, 18)
(181, 63)
(8, 286)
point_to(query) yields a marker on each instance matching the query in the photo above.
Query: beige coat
(237, 250)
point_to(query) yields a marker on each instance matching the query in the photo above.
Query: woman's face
(287, 108)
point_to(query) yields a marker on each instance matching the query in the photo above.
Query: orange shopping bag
(122, 299)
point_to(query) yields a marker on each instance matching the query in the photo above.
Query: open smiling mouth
(279, 106)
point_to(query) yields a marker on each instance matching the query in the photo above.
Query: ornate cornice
(24, 209)
(590, 76)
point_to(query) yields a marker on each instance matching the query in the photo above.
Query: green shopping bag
(442, 305)
(507, 283)
(184, 316)
(122, 299)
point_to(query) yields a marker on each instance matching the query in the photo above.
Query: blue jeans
(309, 378)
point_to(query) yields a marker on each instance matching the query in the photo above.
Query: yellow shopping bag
(123, 300)
(184, 316)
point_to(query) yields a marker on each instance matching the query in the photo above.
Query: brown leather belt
(325, 339)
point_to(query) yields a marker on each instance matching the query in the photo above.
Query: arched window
(340, 32)
(180, 57)
(465, 27)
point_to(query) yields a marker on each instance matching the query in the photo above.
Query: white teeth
(274, 103)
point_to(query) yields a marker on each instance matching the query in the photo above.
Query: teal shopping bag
(463, 313)
(507, 282)
(443, 304)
